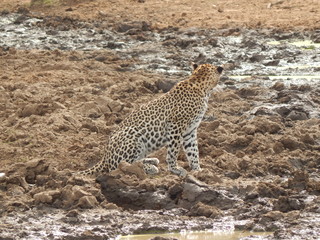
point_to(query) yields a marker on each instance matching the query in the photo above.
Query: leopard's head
(206, 75)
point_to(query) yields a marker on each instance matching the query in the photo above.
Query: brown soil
(282, 14)
(57, 109)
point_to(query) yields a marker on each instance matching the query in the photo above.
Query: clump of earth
(66, 82)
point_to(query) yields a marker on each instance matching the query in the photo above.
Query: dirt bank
(68, 79)
(286, 14)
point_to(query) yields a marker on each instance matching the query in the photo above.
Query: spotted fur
(171, 120)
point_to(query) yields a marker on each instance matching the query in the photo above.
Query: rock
(287, 204)
(270, 190)
(105, 204)
(57, 105)
(306, 138)
(271, 216)
(184, 43)
(91, 110)
(297, 115)
(136, 168)
(213, 42)
(304, 88)
(232, 174)
(91, 125)
(191, 191)
(73, 213)
(264, 125)
(2, 176)
(299, 181)
(263, 111)
(163, 238)
(193, 180)
(34, 109)
(107, 105)
(39, 165)
(15, 190)
(290, 142)
(88, 202)
(71, 195)
(20, 19)
(165, 85)
(47, 196)
(136, 26)
(283, 111)
(201, 209)
(211, 126)
(78, 192)
(278, 147)
(257, 58)
(279, 86)
(248, 92)
(175, 190)
(241, 141)
(274, 62)
(35, 167)
(249, 129)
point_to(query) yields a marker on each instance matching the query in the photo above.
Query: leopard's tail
(100, 167)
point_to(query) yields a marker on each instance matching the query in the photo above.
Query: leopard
(170, 120)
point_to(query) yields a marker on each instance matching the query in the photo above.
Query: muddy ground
(68, 77)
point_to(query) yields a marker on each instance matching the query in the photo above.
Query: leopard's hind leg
(149, 165)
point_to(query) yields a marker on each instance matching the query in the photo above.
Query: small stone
(88, 202)
(191, 191)
(87, 233)
(136, 169)
(58, 105)
(274, 62)
(306, 138)
(47, 196)
(192, 179)
(163, 238)
(78, 192)
(33, 109)
(257, 58)
(165, 85)
(283, 111)
(274, 215)
(290, 143)
(108, 205)
(201, 209)
(296, 115)
(279, 86)
(232, 174)
(73, 213)
(299, 181)
(175, 190)
(278, 147)
(2, 176)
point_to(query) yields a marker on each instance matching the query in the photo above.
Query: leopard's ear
(194, 66)
(219, 69)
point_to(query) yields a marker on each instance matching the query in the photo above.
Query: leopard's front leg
(173, 148)
(190, 146)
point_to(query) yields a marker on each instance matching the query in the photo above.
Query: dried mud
(66, 84)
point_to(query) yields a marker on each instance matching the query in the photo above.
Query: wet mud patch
(62, 95)
(144, 46)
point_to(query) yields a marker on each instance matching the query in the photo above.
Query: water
(203, 235)
(268, 81)
(170, 52)
(308, 44)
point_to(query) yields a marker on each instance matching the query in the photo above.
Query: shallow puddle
(299, 43)
(202, 235)
(270, 80)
